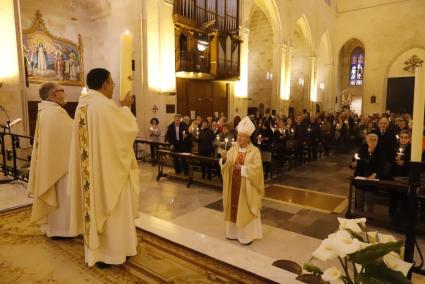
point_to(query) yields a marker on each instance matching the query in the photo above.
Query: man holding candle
(177, 134)
(387, 141)
(402, 157)
(243, 187)
(49, 163)
(103, 173)
(400, 169)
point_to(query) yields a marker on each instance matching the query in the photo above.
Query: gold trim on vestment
(85, 172)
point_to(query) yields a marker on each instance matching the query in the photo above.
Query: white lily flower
(331, 274)
(373, 237)
(325, 251)
(352, 224)
(343, 243)
(382, 238)
(393, 261)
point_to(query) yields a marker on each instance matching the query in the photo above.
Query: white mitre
(246, 126)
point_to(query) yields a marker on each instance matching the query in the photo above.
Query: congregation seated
(299, 138)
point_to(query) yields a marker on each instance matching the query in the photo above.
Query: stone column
(311, 106)
(287, 79)
(238, 102)
(282, 84)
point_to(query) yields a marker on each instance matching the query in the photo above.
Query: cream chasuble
(103, 179)
(49, 169)
(247, 199)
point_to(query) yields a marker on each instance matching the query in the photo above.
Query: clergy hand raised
(128, 100)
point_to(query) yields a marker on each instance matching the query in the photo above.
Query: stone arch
(270, 9)
(301, 53)
(324, 69)
(345, 91)
(303, 25)
(264, 32)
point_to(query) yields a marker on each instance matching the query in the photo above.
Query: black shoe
(102, 265)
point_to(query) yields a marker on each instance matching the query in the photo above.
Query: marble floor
(192, 216)
(14, 194)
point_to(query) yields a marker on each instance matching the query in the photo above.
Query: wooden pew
(383, 187)
(192, 161)
(157, 144)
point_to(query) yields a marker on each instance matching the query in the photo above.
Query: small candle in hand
(84, 91)
(356, 156)
(400, 152)
(225, 142)
(218, 137)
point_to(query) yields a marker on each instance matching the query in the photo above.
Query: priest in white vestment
(49, 163)
(243, 187)
(103, 173)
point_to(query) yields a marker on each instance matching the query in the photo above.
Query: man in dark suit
(387, 143)
(177, 133)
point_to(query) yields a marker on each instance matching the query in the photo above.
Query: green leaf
(365, 279)
(378, 272)
(371, 253)
(312, 268)
(355, 235)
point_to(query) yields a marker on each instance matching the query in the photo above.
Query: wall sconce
(301, 82)
(322, 86)
(269, 76)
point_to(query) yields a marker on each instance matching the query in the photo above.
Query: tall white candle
(126, 51)
(418, 115)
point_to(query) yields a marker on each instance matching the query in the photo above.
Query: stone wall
(387, 29)
(260, 60)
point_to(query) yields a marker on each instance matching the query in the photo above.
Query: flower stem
(355, 271)
(344, 266)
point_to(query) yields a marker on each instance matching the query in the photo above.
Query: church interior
(338, 66)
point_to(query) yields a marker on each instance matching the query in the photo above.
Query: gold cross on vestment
(82, 123)
(84, 155)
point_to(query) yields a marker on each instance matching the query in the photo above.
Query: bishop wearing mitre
(243, 186)
(103, 173)
(49, 163)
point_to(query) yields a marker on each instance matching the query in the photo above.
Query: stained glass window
(357, 67)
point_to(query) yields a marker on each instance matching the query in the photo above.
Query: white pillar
(276, 61)
(284, 104)
(287, 97)
(313, 85)
(418, 114)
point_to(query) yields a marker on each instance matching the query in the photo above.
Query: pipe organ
(207, 39)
